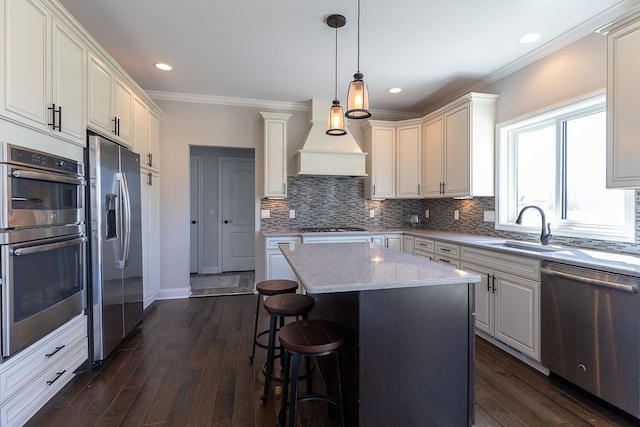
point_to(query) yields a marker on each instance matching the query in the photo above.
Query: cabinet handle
(419, 190)
(488, 282)
(53, 118)
(374, 189)
(48, 355)
(284, 188)
(149, 179)
(493, 283)
(445, 250)
(58, 375)
(386, 241)
(150, 160)
(59, 119)
(115, 125)
(444, 260)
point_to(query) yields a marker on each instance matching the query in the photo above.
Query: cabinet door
(394, 242)
(484, 298)
(278, 267)
(100, 86)
(68, 80)
(26, 67)
(275, 157)
(408, 244)
(150, 210)
(456, 152)
(123, 111)
(623, 92)
(153, 159)
(383, 163)
(378, 240)
(140, 129)
(433, 138)
(517, 313)
(408, 161)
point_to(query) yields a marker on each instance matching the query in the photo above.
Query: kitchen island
(409, 326)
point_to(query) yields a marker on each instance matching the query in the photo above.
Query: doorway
(222, 223)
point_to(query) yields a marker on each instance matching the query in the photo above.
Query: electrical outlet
(292, 213)
(456, 215)
(372, 213)
(265, 213)
(489, 216)
(426, 214)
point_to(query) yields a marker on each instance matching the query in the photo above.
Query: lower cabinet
(423, 248)
(408, 245)
(447, 254)
(393, 241)
(277, 266)
(507, 299)
(150, 211)
(31, 377)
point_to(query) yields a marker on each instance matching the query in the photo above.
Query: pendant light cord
(358, 36)
(335, 80)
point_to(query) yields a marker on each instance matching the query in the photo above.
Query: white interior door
(194, 209)
(238, 207)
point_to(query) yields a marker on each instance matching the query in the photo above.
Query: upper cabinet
(393, 160)
(44, 71)
(623, 109)
(458, 148)
(275, 154)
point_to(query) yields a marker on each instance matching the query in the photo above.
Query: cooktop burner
(329, 229)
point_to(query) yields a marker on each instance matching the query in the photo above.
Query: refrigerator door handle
(127, 219)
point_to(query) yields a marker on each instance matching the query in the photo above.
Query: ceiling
(283, 50)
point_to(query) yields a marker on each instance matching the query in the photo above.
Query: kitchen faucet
(545, 235)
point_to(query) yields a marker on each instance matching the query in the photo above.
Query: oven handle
(43, 176)
(48, 247)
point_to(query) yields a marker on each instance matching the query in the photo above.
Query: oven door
(39, 198)
(43, 286)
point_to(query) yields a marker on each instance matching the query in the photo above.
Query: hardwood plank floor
(188, 366)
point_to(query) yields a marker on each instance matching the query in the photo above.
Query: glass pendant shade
(336, 120)
(358, 99)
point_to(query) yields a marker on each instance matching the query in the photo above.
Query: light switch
(372, 213)
(265, 213)
(292, 213)
(489, 216)
(456, 215)
(426, 214)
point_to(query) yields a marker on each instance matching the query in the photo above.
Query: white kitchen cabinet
(408, 244)
(507, 299)
(447, 254)
(277, 266)
(380, 161)
(140, 134)
(32, 376)
(275, 154)
(152, 159)
(623, 110)
(408, 160)
(392, 241)
(110, 102)
(150, 215)
(458, 148)
(424, 248)
(43, 71)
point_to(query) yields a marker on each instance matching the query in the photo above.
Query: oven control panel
(43, 160)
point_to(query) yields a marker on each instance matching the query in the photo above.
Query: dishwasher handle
(617, 286)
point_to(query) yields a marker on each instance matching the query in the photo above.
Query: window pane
(536, 171)
(588, 200)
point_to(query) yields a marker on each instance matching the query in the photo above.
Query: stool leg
(270, 351)
(282, 416)
(255, 330)
(339, 389)
(293, 401)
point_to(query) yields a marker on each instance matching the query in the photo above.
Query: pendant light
(336, 118)
(358, 94)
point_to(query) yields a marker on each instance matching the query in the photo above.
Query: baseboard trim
(174, 293)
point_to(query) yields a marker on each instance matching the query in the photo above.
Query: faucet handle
(546, 235)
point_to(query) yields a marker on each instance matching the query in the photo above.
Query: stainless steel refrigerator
(115, 246)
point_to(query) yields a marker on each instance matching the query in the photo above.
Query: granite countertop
(608, 261)
(344, 267)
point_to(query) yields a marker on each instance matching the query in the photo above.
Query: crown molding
(228, 101)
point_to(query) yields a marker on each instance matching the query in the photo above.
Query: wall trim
(174, 293)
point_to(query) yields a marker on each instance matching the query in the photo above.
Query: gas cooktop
(329, 229)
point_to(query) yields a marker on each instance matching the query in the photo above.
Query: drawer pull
(445, 250)
(58, 375)
(55, 351)
(444, 260)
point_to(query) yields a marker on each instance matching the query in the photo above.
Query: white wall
(571, 72)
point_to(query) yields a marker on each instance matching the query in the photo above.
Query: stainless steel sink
(526, 246)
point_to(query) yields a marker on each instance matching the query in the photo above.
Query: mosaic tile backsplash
(339, 201)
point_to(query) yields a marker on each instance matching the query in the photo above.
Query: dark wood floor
(188, 366)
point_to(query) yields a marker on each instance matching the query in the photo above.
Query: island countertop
(345, 267)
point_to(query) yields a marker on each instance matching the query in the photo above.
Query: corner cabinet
(623, 110)
(275, 154)
(458, 148)
(44, 72)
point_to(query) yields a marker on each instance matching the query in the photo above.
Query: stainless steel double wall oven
(42, 244)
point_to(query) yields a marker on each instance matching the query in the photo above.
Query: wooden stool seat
(279, 307)
(309, 338)
(269, 288)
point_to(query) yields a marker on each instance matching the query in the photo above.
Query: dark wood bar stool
(279, 308)
(268, 288)
(309, 338)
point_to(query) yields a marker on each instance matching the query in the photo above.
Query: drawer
(424, 254)
(24, 404)
(26, 365)
(423, 245)
(447, 250)
(273, 242)
(451, 262)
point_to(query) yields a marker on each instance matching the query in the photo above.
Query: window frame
(505, 189)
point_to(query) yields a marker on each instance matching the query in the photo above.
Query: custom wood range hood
(322, 154)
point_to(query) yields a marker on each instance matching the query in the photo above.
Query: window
(556, 160)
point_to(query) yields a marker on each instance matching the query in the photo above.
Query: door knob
(226, 221)
(193, 221)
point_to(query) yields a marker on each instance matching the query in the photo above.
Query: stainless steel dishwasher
(590, 331)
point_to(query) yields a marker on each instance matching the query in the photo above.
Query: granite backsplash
(322, 201)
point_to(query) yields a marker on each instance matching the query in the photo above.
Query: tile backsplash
(322, 201)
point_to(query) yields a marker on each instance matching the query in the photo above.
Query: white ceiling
(282, 50)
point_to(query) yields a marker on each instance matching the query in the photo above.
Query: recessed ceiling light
(164, 67)
(395, 90)
(529, 38)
